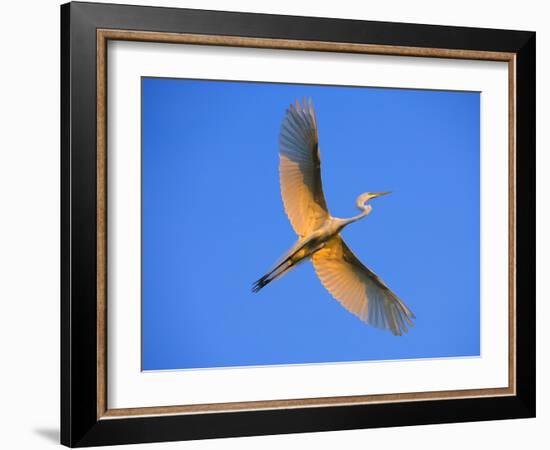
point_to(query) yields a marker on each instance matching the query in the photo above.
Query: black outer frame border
(79, 425)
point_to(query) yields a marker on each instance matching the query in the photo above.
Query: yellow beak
(379, 194)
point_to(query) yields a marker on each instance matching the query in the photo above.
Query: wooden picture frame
(86, 418)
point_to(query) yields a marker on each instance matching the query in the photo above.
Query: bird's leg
(301, 253)
(284, 262)
(280, 270)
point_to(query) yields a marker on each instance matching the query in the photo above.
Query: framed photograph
(276, 224)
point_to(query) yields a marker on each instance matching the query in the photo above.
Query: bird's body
(355, 286)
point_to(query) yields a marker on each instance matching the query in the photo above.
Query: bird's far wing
(300, 169)
(360, 290)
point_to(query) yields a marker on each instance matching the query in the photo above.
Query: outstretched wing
(300, 169)
(360, 290)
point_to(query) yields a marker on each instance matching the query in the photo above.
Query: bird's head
(363, 199)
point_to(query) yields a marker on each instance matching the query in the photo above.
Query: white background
(29, 229)
(129, 387)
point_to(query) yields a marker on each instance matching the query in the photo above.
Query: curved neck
(365, 212)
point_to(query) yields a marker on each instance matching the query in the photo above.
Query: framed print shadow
(275, 224)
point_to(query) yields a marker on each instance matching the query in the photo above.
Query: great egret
(355, 286)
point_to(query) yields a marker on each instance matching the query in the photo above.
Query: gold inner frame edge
(103, 36)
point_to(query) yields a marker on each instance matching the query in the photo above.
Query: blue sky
(213, 222)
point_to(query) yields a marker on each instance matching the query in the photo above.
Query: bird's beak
(380, 194)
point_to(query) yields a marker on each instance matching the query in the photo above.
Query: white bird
(355, 286)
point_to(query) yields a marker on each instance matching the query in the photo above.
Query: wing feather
(359, 289)
(300, 169)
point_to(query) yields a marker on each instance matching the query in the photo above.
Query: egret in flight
(354, 285)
